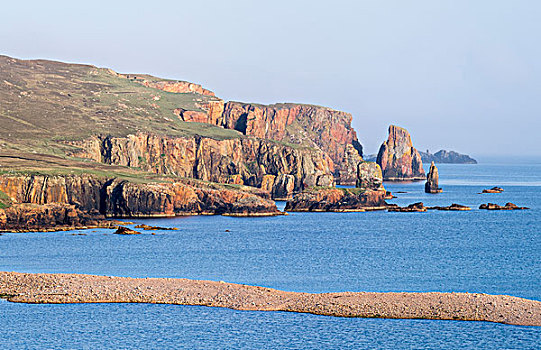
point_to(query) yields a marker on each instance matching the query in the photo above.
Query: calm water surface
(476, 251)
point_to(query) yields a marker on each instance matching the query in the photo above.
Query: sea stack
(432, 179)
(398, 159)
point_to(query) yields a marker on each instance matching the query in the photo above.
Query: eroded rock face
(398, 159)
(244, 161)
(115, 197)
(322, 128)
(369, 176)
(432, 179)
(337, 199)
(283, 187)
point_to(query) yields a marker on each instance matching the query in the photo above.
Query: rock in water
(493, 190)
(369, 176)
(126, 231)
(431, 185)
(398, 159)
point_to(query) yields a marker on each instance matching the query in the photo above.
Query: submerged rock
(431, 185)
(148, 227)
(398, 159)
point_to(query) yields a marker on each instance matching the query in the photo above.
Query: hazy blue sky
(463, 75)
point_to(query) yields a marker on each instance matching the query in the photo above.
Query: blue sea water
(496, 252)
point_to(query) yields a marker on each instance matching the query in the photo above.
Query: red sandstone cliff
(398, 159)
(320, 127)
(115, 197)
(244, 161)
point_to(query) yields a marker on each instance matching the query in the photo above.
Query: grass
(5, 201)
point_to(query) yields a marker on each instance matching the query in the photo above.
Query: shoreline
(41, 288)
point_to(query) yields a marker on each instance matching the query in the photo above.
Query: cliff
(307, 125)
(117, 197)
(241, 161)
(398, 159)
(171, 127)
(450, 157)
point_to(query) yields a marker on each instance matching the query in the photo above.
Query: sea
(495, 252)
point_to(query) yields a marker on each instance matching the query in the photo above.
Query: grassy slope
(43, 102)
(5, 201)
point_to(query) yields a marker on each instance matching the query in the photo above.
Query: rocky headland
(447, 157)
(71, 288)
(398, 159)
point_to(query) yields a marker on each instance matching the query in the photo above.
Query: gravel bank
(73, 288)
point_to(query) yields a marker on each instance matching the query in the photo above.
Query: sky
(459, 75)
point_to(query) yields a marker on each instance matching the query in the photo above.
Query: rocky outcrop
(415, 207)
(50, 217)
(507, 206)
(369, 176)
(126, 231)
(245, 161)
(337, 200)
(115, 197)
(452, 207)
(450, 157)
(432, 179)
(175, 86)
(398, 159)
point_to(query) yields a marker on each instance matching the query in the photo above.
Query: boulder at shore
(398, 159)
(431, 185)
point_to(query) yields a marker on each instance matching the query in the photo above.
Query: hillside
(44, 103)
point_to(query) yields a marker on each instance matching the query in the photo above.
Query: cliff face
(369, 176)
(318, 127)
(398, 159)
(114, 197)
(244, 161)
(328, 129)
